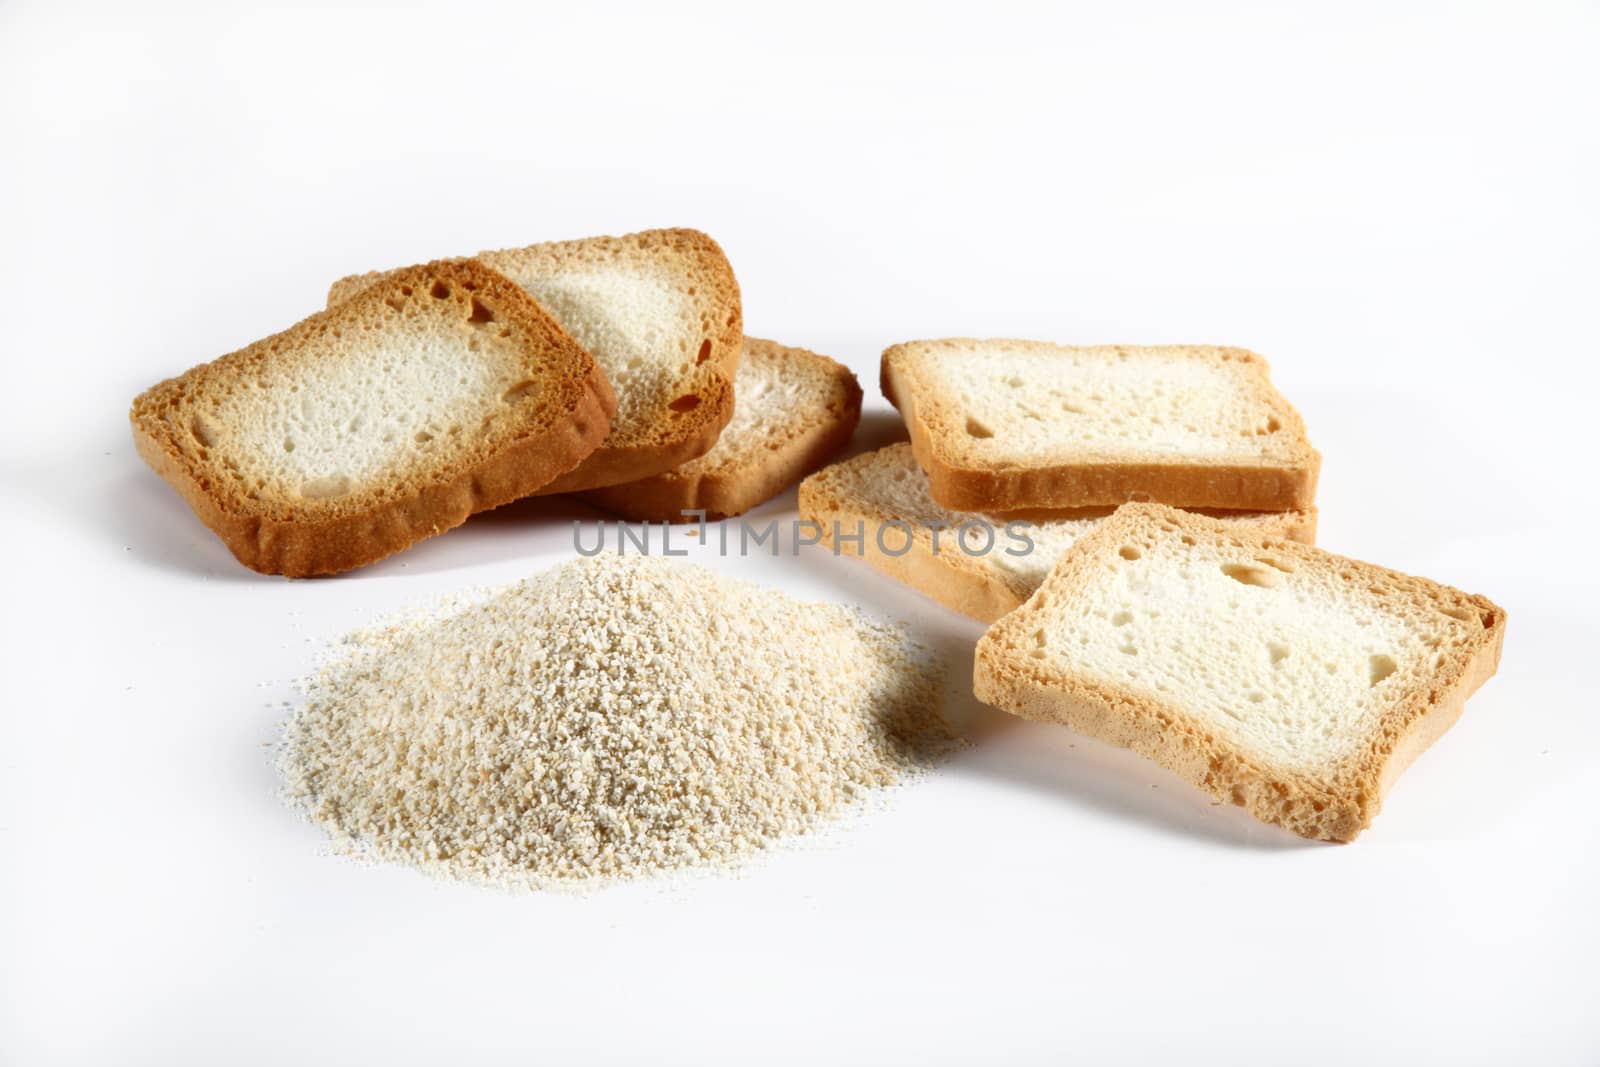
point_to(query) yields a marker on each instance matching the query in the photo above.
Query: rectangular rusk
(1290, 681)
(1012, 425)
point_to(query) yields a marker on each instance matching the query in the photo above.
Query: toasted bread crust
(743, 481)
(1182, 481)
(1332, 805)
(301, 538)
(962, 583)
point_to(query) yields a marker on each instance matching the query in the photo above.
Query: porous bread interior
(775, 389)
(1030, 402)
(1287, 653)
(639, 325)
(385, 390)
(889, 483)
(658, 310)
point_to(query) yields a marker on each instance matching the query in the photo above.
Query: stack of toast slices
(1136, 526)
(612, 368)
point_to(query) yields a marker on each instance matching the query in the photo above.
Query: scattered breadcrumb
(611, 718)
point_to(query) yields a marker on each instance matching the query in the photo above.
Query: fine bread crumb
(609, 719)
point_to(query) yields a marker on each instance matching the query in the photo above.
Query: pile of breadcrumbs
(611, 718)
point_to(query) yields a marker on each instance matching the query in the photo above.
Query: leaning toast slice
(660, 312)
(1013, 425)
(980, 565)
(436, 392)
(793, 411)
(1277, 676)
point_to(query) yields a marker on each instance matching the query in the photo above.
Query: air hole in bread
(202, 433)
(406, 290)
(469, 285)
(687, 402)
(1122, 618)
(1488, 620)
(288, 444)
(1277, 652)
(977, 429)
(705, 351)
(518, 391)
(1128, 650)
(1256, 696)
(440, 291)
(1129, 552)
(329, 485)
(422, 437)
(1277, 565)
(1380, 667)
(396, 302)
(1458, 613)
(1245, 574)
(480, 315)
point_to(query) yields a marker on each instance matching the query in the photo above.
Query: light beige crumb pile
(610, 718)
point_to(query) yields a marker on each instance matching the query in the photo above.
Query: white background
(1396, 205)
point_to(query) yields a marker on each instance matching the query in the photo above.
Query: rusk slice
(1277, 676)
(793, 411)
(980, 565)
(438, 391)
(660, 312)
(1013, 425)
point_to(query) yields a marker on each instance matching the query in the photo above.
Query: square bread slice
(1013, 425)
(439, 391)
(979, 565)
(659, 311)
(1277, 676)
(793, 411)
